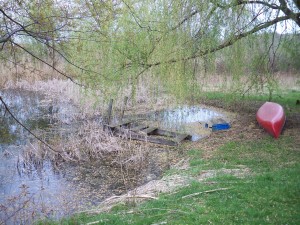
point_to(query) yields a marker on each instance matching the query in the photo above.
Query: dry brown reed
(89, 143)
(91, 146)
(91, 103)
(23, 68)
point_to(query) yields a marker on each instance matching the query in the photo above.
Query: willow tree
(109, 45)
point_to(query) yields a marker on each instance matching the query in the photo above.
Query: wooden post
(109, 111)
(124, 107)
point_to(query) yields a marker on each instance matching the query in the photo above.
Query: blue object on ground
(221, 126)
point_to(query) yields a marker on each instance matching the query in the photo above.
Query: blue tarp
(219, 126)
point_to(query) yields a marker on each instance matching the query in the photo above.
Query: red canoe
(271, 117)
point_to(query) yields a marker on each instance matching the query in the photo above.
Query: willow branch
(225, 44)
(7, 36)
(67, 60)
(241, 2)
(272, 6)
(43, 61)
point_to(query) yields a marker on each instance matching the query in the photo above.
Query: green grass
(287, 99)
(262, 155)
(269, 195)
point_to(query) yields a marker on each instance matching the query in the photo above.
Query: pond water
(55, 193)
(184, 119)
(39, 183)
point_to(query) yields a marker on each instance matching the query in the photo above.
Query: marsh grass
(24, 68)
(90, 142)
(90, 148)
(250, 103)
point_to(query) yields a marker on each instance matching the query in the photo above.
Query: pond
(184, 119)
(41, 184)
(51, 191)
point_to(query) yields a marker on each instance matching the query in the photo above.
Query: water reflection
(185, 119)
(42, 183)
(176, 118)
(26, 107)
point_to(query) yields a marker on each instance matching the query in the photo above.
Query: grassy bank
(267, 193)
(230, 101)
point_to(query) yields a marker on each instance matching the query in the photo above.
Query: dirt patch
(243, 127)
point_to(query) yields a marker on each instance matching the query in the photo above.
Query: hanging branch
(43, 61)
(23, 28)
(22, 125)
(225, 44)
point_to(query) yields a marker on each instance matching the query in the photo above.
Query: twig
(110, 202)
(132, 196)
(203, 192)
(95, 222)
(157, 209)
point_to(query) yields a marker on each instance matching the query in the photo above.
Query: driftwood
(138, 128)
(142, 132)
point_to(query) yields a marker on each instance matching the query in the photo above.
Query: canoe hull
(271, 117)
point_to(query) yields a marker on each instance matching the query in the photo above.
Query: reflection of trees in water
(5, 135)
(177, 118)
(25, 106)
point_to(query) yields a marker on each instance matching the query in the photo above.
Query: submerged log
(112, 126)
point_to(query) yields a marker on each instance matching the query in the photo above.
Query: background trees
(112, 45)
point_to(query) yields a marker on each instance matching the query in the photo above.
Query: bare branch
(7, 36)
(289, 12)
(241, 2)
(271, 6)
(22, 125)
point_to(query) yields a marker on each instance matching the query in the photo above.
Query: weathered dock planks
(141, 132)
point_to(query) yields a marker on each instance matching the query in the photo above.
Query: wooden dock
(141, 132)
(133, 131)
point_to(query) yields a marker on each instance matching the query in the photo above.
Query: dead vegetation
(89, 143)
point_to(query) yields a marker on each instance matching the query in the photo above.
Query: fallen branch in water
(204, 192)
